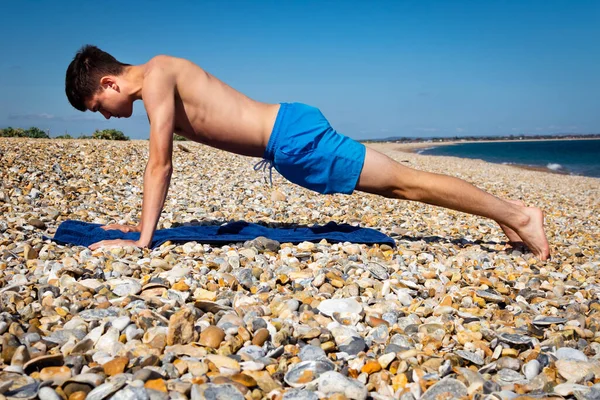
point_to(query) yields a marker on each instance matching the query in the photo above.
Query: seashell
(446, 388)
(26, 392)
(547, 321)
(378, 271)
(107, 388)
(96, 314)
(83, 347)
(346, 318)
(211, 307)
(508, 376)
(331, 306)
(12, 381)
(489, 296)
(305, 372)
(125, 286)
(38, 363)
(488, 367)
(514, 338)
(89, 379)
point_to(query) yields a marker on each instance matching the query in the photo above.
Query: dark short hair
(89, 65)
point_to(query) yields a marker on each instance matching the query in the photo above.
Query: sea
(573, 157)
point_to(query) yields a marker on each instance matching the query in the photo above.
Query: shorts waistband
(274, 138)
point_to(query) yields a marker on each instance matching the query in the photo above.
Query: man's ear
(109, 82)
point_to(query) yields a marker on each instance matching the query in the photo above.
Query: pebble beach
(452, 311)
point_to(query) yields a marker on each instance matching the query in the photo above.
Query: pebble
(312, 353)
(216, 392)
(300, 394)
(509, 362)
(115, 366)
(47, 393)
(576, 370)
(470, 356)
(358, 321)
(260, 337)
(211, 337)
(567, 353)
(223, 363)
(531, 369)
(181, 327)
(333, 382)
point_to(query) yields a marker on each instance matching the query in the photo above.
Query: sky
(375, 69)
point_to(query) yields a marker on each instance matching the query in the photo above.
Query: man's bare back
(209, 111)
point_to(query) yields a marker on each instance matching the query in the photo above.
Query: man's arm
(159, 100)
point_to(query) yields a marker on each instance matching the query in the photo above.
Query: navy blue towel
(85, 233)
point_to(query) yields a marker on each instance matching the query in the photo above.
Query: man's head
(94, 82)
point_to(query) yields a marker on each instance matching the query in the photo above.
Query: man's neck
(134, 76)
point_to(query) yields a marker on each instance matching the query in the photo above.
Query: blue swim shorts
(307, 151)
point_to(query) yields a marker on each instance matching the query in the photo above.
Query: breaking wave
(554, 166)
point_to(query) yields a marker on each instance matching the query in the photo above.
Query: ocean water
(574, 157)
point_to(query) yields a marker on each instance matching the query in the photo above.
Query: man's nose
(106, 114)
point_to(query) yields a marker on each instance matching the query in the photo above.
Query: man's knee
(381, 175)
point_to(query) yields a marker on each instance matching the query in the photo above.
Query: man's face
(110, 102)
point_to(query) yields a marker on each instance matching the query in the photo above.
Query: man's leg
(383, 176)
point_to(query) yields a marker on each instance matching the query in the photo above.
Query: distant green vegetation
(65, 136)
(108, 134)
(32, 132)
(37, 133)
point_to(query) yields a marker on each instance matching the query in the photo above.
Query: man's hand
(122, 228)
(116, 243)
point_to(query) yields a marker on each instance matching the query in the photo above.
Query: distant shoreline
(414, 147)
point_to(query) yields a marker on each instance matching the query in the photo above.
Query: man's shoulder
(159, 63)
(166, 60)
(162, 58)
(165, 66)
(159, 69)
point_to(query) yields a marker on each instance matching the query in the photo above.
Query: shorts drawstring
(264, 164)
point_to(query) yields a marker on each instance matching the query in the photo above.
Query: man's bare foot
(532, 232)
(513, 237)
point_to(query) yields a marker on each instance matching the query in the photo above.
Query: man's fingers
(122, 228)
(112, 243)
(102, 243)
(96, 245)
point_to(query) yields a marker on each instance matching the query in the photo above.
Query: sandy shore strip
(451, 311)
(418, 147)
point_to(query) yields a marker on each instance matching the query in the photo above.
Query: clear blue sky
(375, 68)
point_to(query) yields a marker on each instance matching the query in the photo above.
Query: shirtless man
(295, 138)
